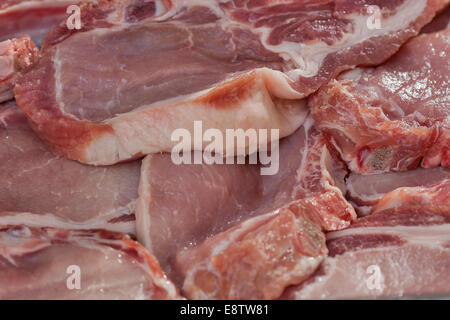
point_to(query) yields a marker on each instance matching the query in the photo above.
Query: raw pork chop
(405, 245)
(366, 190)
(391, 117)
(138, 70)
(181, 206)
(15, 55)
(33, 17)
(58, 192)
(440, 22)
(43, 263)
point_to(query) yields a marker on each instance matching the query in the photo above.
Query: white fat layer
(431, 235)
(143, 214)
(52, 221)
(307, 125)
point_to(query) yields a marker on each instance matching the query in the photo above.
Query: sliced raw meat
(366, 190)
(138, 70)
(44, 263)
(33, 17)
(390, 117)
(440, 22)
(401, 250)
(15, 55)
(181, 206)
(41, 189)
(434, 197)
(255, 260)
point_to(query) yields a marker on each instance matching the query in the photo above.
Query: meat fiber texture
(39, 188)
(117, 88)
(395, 116)
(365, 191)
(227, 232)
(36, 263)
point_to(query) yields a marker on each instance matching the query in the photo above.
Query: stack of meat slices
(358, 91)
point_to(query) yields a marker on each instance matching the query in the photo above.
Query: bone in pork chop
(15, 55)
(41, 189)
(191, 215)
(43, 263)
(33, 17)
(440, 22)
(391, 117)
(137, 71)
(403, 249)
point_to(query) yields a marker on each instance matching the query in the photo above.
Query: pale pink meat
(256, 260)
(440, 22)
(41, 263)
(401, 250)
(136, 71)
(185, 212)
(392, 117)
(33, 17)
(15, 56)
(366, 190)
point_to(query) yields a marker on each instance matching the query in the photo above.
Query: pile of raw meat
(92, 205)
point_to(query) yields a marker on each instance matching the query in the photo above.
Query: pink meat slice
(186, 212)
(37, 263)
(15, 56)
(33, 17)
(42, 189)
(366, 190)
(137, 70)
(405, 244)
(392, 117)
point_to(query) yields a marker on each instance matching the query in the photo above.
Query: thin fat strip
(366, 190)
